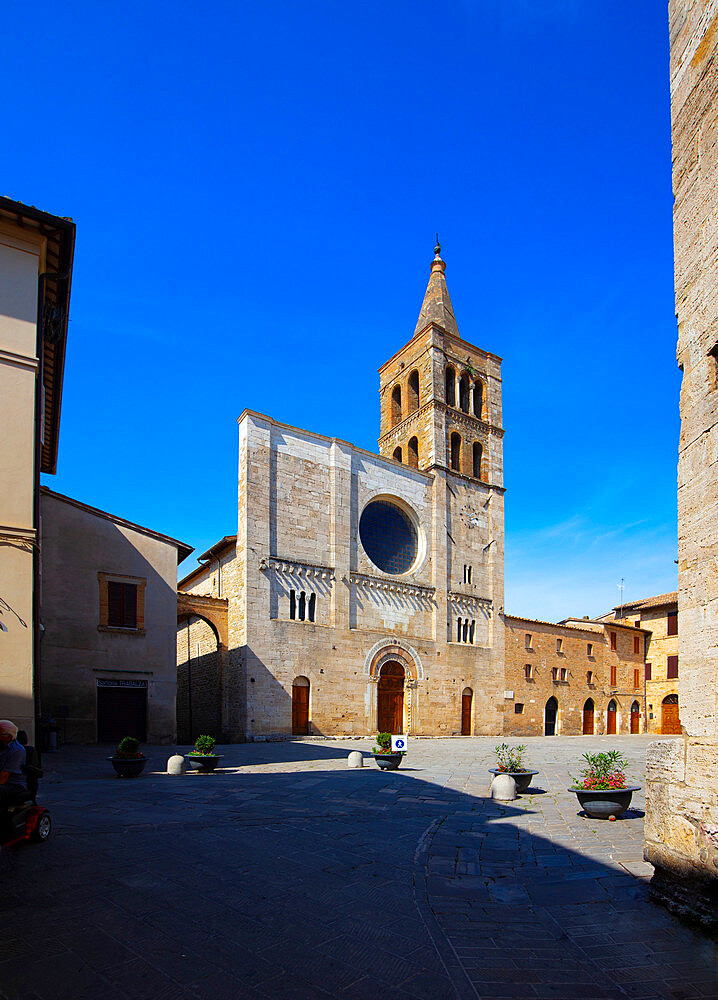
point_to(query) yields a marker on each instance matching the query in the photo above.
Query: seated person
(12, 760)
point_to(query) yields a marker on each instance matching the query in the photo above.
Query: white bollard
(503, 788)
(355, 759)
(177, 765)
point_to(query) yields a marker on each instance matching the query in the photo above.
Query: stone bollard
(177, 765)
(503, 788)
(355, 759)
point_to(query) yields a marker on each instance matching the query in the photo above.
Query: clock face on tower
(471, 517)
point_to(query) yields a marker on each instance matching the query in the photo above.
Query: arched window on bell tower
(396, 406)
(456, 452)
(478, 398)
(397, 455)
(413, 453)
(450, 386)
(478, 455)
(464, 393)
(412, 395)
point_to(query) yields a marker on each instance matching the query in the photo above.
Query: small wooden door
(670, 721)
(611, 716)
(300, 707)
(390, 699)
(635, 718)
(121, 711)
(466, 699)
(588, 717)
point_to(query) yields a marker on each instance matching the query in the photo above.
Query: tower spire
(436, 307)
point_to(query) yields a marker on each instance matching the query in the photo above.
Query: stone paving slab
(287, 875)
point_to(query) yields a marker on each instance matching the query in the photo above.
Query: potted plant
(203, 757)
(386, 758)
(601, 788)
(511, 761)
(128, 760)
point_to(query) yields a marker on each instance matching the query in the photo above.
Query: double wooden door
(390, 699)
(635, 718)
(670, 721)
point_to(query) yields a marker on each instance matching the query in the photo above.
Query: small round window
(388, 536)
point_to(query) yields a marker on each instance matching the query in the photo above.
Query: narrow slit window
(292, 604)
(312, 606)
(472, 629)
(302, 606)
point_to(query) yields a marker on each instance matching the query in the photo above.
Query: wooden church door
(390, 699)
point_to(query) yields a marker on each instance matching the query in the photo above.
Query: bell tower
(441, 396)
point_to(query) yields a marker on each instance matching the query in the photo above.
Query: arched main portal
(467, 698)
(588, 717)
(300, 706)
(670, 720)
(390, 698)
(635, 717)
(611, 717)
(550, 717)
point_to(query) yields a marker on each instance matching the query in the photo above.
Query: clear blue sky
(256, 188)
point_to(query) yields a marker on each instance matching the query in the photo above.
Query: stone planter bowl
(522, 778)
(204, 762)
(604, 803)
(128, 767)
(388, 761)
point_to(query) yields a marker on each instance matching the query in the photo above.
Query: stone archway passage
(390, 699)
(588, 717)
(670, 720)
(635, 717)
(550, 715)
(467, 697)
(300, 707)
(611, 716)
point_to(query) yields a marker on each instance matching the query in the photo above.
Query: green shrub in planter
(205, 744)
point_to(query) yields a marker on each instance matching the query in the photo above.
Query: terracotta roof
(211, 553)
(183, 550)
(649, 602)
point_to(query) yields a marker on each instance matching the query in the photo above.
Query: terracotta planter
(522, 778)
(128, 767)
(604, 803)
(204, 762)
(388, 761)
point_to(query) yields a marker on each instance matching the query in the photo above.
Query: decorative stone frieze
(289, 567)
(378, 583)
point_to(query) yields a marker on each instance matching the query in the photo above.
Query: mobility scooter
(21, 818)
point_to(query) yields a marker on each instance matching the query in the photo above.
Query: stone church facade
(363, 591)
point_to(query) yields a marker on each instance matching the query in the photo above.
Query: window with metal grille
(388, 536)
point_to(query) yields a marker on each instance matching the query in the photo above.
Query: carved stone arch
(212, 609)
(393, 649)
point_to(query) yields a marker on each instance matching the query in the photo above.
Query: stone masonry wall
(682, 789)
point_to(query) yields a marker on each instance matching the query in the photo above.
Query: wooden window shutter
(672, 672)
(613, 675)
(648, 671)
(114, 604)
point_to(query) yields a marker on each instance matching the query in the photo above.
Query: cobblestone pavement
(287, 875)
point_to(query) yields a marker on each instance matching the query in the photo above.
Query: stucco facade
(89, 659)
(36, 252)
(682, 776)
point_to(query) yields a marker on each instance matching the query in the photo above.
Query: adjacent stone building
(577, 677)
(365, 591)
(108, 610)
(658, 615)
(682, 776)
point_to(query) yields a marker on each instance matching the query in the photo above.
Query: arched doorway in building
(670, 721)
(300, 706)
(390, 699)
(467, 697)
(611, 716)
(635, 717)
(588, 717)
(550, 716)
